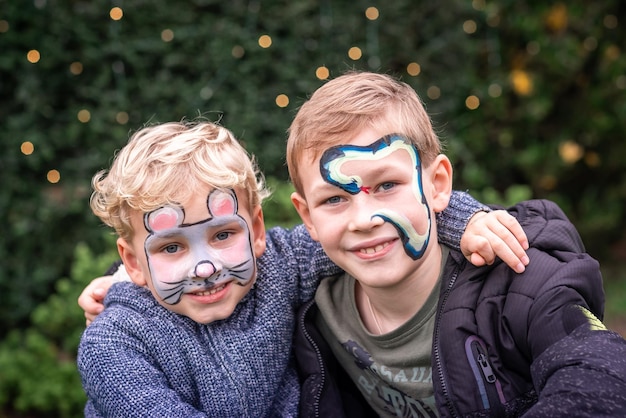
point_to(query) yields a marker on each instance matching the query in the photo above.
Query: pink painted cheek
(166, 272)
(237, 253)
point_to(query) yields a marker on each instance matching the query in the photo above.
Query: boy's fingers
(509, 222)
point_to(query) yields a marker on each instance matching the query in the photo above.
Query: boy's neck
(385, 309)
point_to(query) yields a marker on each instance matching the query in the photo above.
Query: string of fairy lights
(520, 79)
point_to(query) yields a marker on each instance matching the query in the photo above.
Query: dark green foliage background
(507, 149)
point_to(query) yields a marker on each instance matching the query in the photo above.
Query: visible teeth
(210, 292)
(375, 249)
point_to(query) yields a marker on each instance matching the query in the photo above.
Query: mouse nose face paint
(194, 257)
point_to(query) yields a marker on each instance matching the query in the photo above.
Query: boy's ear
(258, 231)
(302, 208)
(441, 175)
(131, 263)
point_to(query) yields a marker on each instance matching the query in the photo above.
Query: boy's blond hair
(166, 164)
(342, 107)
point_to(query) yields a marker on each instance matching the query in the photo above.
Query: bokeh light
(33, 56)
(472, 102)
(116, 13)
(27, 148)
(413, 69)
(372, 13)
(322, 73)
(265, 41)
(433, 92)
(84, 115)
(282, 100)
(355, 53)
(76, 68)
(53, 176)
(167, 35)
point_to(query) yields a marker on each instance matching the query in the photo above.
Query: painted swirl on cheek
(333, 160)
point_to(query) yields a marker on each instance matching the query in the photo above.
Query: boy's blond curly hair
(166, 164)
(346, 105)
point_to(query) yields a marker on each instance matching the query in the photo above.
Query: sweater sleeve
(294, 253)
(451, 223)
(121, 380)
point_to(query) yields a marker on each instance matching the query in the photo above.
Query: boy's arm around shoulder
(293, 252)
(578, 366)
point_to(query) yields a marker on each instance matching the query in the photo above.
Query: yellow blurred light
(469, 27)
(53, 176)
(121, 118)
(167, 35)
(27, 148)
(556, 19)
(433, 92)
(478, 4)
(4, 26)
(522, 83)
(612, 52)
(84, 115)
(116, 13)
(472, 102)
(265, 41)
(33, 56)
(548, 182)
(282, 100)
(238, 51)
(414, 69)
(372, 13)
(570, 151)
(76, 68)
(322, 73)
(355, 53)
(592, 159)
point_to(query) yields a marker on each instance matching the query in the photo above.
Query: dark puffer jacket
(504, 344)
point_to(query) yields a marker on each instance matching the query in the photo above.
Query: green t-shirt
(393, 370)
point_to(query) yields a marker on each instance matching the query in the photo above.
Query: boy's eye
(333, 200)
(388, 185)
(222, 236)
(171, 248)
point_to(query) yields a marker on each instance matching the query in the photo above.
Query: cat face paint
(187, 258)
(332, 170)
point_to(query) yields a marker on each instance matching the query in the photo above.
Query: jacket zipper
(318, 354)
(488, 384)
(436, 353)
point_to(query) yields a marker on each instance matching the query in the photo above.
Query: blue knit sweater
(137, 359)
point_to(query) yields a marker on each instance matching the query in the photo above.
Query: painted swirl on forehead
(195, 264)
(332, 170)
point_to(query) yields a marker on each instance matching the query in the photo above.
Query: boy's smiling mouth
(212, 295)
(211, 291)
(374, 248)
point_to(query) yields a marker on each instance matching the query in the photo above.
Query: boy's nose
(361, 216)
(204, 269)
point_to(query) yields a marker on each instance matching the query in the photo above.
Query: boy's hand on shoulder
(495, 234)
(91, 300)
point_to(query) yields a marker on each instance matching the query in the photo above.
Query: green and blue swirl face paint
(332, 169)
